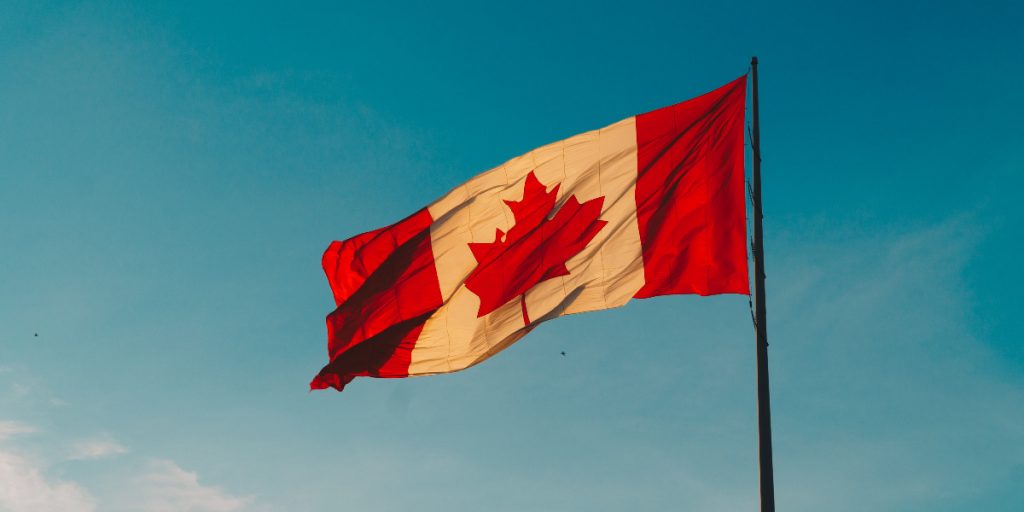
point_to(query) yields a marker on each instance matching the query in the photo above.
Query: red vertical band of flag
(385, 285)
(689, 195)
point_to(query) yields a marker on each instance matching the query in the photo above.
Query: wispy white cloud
(24, 488)
(96, 449)
(9, 429)
(162, 486)
(20, 390)
(166, 487)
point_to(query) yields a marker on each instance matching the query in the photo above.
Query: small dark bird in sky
(36, 335)
(563, 353)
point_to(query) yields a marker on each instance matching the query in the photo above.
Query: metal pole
(764, 409)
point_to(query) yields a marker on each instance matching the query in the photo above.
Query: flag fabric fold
(652, 205)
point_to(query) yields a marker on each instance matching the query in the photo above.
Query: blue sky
(169, 176)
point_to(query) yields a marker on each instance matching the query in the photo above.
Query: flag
(651, 205)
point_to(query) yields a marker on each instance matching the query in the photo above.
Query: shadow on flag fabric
(651, 205)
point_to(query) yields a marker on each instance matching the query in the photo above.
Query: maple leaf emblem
(535, 249)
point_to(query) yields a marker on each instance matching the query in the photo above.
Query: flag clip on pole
(764, 414)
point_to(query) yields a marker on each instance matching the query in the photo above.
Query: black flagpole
(764, 409)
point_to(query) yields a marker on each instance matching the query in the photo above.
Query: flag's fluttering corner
(651, 205)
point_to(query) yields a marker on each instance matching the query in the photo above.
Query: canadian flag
(651, 205)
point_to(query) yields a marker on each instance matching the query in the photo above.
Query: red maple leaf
(535, 249)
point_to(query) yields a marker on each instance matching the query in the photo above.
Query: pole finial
(753, 60)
